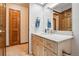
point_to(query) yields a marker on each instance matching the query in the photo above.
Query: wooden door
(2, 29)
(14, 20)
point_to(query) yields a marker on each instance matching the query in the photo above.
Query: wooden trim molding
(19, 44)
(24, 43)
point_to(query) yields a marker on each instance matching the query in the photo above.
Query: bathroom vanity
(51, 44)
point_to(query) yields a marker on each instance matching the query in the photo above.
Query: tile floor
(17, 50)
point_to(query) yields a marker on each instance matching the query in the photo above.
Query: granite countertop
(54, 37)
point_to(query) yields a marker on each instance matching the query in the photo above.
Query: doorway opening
(18, 29)
(14, 29)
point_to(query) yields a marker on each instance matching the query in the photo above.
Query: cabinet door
(51, 45)
(48, 52)
(34, 49)
(37, 46)
(34, 45)
(66, 45)
(40, 46)
(41, 50)
(38, 49)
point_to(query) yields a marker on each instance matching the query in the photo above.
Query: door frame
(4, 52)
(20, 29)
(5, 30)
(28, 27)
(19, 25)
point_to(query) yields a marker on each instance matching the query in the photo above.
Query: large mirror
(62, 17)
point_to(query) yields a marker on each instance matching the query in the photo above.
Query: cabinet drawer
(35, 40)
(39, 40)
(51, 45)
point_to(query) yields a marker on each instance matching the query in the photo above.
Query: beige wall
(23, 24)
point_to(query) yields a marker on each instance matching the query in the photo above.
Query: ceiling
(59, 7)
(62, 6)
(23, 4)
(51, 5)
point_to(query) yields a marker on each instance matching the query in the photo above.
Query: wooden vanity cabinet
(42, 47)
(45, 47)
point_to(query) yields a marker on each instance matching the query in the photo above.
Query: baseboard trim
(18, 44)
(7, 46)
(24, 43)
